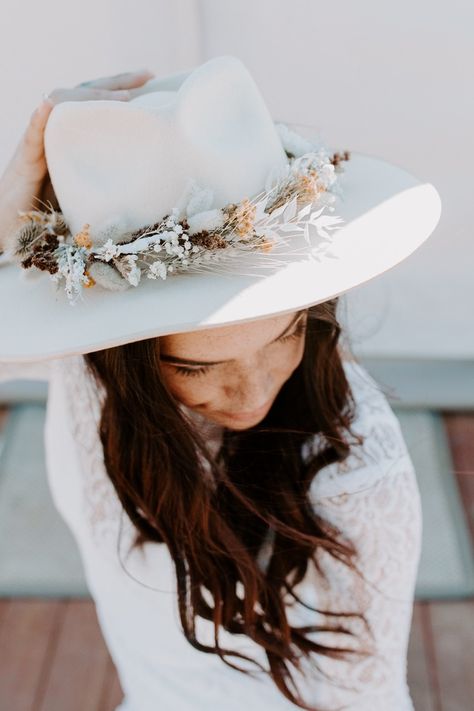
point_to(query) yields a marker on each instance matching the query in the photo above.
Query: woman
(243, 500)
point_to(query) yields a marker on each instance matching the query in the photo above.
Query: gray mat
(447, 559)
(39, 556)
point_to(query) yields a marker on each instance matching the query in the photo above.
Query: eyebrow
(184, 361)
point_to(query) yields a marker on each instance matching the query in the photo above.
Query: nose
(249, 390)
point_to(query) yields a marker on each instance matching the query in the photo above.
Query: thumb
(28, 162)
(33, 138)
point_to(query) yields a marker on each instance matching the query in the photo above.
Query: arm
(374, 500)
(385, 523)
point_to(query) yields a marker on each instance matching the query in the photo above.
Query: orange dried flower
(82, 239)
(245, 215)
(307, 187)
(267, 246)
(90, 281)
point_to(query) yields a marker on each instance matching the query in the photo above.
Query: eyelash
(182, 370)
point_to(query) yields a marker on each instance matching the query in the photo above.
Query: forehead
(226, 342)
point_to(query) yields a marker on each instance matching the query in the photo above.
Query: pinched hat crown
(214, 128)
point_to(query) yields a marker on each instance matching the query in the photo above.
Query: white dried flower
(107, 251)
(327, 174)
(128, 268)
(71, 267)
(158, 268)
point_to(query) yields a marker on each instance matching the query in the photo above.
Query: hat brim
(387, 213)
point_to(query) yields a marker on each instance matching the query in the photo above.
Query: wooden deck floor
(53, 657)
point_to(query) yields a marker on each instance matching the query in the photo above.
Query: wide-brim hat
(118, 166)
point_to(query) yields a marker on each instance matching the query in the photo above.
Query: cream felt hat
(189, 207)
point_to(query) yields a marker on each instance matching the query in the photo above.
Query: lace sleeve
(374, 500)
(384, 523)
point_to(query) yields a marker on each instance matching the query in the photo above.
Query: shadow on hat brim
(387, 213)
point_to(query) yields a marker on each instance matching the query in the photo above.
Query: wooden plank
(26, 635)
(418, 669)
(460, 430)
(79, 664)
(453, 638)
(4, 604)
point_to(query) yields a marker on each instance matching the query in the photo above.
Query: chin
(233, 424)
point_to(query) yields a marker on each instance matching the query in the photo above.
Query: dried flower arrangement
(202, 240)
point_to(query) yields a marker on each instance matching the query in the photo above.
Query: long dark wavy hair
(260, 482)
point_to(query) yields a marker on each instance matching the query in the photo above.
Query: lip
(243, 416)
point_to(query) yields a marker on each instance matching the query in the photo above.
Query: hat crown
(121, 165)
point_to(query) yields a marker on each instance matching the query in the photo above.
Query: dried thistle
(24, 238)
(43, 255)
(56, 222)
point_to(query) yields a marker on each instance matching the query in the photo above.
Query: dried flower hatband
(195, 242)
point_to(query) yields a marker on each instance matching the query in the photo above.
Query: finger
(33, 138)
(125, 80)
(87, 94)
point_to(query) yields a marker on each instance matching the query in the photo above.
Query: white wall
(56, 43)
(392, 80)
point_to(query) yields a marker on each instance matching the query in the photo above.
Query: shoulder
(383, 451)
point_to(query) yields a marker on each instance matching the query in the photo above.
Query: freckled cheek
(186, 390)
(210, 388)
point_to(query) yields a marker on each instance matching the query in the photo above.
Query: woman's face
(232, 374)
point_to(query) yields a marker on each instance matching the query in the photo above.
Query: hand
(25, 183)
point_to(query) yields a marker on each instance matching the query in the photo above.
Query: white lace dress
(372, 497)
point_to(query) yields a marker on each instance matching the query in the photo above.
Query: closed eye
(295, 334)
